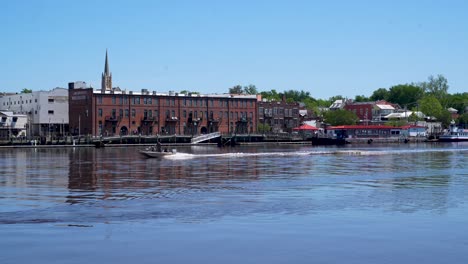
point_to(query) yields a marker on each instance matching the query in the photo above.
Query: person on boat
(158, 145)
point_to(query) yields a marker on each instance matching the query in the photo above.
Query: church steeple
(106, 67)
(106, 83)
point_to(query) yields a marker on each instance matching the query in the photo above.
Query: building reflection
(119, 173)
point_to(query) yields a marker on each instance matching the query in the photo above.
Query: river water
(259, 204)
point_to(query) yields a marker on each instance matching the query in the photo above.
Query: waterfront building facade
(111, 111)
(370, 112)
(118, 112)
(280, 116)
(46, 111)
(12, 125)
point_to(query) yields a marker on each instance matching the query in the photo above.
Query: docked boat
(152, 152)
(454, 134)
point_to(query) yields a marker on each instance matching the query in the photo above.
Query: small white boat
(151, 152)
(454, 134)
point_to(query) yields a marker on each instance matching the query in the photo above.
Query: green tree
(361, 98)
(405, 94)
(463, 119)
(445, 117)
(458, 101)
(26, 90)
(271, 95)
(413, 117)
(380, 94)
(430, 106)
(297, 96)
(323, 102)
(341, 117)
(334, 98)
(237, 89)
(250, 89)
(263, 128)
(438, 87)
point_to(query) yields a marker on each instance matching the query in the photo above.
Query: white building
(46, 111)
(12, 125)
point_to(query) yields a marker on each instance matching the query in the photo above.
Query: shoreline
(351, 141)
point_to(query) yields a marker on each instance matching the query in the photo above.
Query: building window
(100, 112)
(99, 99)
(133, 113)
(126, 112)
(120, 112)
(113, 99)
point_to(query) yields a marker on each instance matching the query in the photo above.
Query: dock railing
(205, 137)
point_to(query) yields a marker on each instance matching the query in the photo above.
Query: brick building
(114, 112)
(370, 111)
(110, 111)
(281, 116)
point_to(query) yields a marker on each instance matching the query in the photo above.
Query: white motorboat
(454, 134)
(152, 152)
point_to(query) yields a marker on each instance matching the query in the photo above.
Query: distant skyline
(327, 48)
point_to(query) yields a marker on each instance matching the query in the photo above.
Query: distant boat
(454, 134)
(151, 152)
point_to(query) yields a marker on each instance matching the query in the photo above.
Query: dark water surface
(277, 204)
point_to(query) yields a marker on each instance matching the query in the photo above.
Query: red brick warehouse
(107, 113)
(111, 111)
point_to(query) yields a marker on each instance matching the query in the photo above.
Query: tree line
(431, 97)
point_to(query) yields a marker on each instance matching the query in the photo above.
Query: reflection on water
(116, 184)
(277, 204)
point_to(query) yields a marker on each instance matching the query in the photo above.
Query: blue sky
(325, 47)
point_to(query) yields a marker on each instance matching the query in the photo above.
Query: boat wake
(183, 156)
